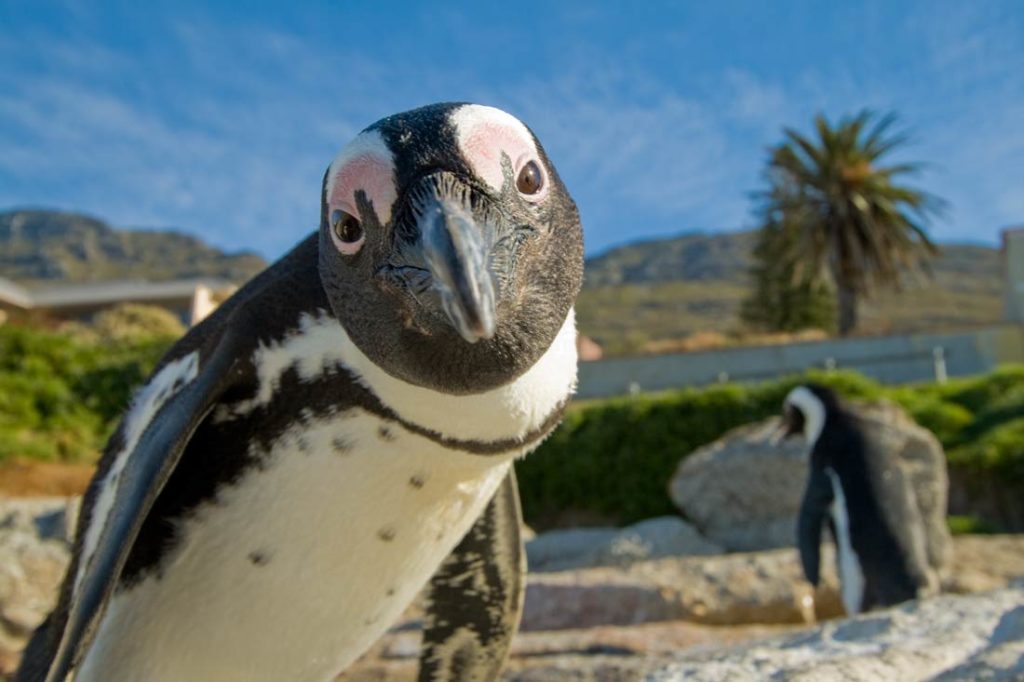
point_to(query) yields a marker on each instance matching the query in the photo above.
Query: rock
(560, 547)
(923, 462)
(665, 536)
(761, 587)
(985, 562)
(743, 492)
(34, 554)
(912, 642)
(600, 653)
(766, 587)
(49, 518)
(610, 622)
(945, 638)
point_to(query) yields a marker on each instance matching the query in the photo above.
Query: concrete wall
(890, 359)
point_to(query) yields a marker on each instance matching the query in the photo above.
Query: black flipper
(476, 597)
(56, 649)
(814, 510)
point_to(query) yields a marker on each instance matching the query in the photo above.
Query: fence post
(939, 357)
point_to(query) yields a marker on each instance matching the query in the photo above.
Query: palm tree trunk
(846, 297)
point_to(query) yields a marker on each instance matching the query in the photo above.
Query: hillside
(690, 257)
(43, 247)
(672, 288)
(634, 294)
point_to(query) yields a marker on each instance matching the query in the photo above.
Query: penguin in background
(861, 493)
(341, 431)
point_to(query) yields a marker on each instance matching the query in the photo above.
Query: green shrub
(614, 458)
(977, 393)
(132, 322)
(969, 525)
(946, 420)
(61, 395)
(1000, 449)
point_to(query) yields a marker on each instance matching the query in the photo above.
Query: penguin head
(450, 250)
(806, 409)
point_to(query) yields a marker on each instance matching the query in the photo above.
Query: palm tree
(850, 218)
(777, 302)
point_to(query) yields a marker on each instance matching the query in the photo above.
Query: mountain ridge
(639, 294)
(634, 295)
(40, 247)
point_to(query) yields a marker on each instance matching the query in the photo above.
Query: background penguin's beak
(792, 425)
(456, 249)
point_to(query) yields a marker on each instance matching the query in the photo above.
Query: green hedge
(611, 460)
(61, 394)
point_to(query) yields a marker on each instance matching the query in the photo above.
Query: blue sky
(219, 118)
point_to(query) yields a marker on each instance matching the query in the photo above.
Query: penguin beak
(792, 424)
(457, 254)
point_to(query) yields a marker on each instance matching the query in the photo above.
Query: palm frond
(845, 211)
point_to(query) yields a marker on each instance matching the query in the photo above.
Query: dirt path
(28, 478)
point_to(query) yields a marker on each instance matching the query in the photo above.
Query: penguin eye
(530, 180)
(347, 232)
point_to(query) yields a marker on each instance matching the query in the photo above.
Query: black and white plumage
(860, 490)
(341, 430)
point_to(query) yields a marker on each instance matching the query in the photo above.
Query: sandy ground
(29, 478)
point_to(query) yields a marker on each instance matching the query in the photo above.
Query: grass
(625, 319)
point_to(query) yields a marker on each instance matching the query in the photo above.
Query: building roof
(100, 293)
(14, 294)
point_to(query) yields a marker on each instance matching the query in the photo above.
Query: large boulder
(923, 461)
(729, 589)
(734, 589)
(34, 554)
(977, 637)
(666, 536)
(743, 491)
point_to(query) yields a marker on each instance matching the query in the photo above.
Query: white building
(189, 299)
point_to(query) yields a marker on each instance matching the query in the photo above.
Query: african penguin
(860, 491)
(341, 431)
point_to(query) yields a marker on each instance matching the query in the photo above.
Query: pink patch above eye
(369, 173)
(483, 147)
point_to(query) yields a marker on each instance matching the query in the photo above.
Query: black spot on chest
(222, 454)
(259, 557)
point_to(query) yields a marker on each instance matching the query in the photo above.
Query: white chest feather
(505, 412)
(851, 576)
(298, 567)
